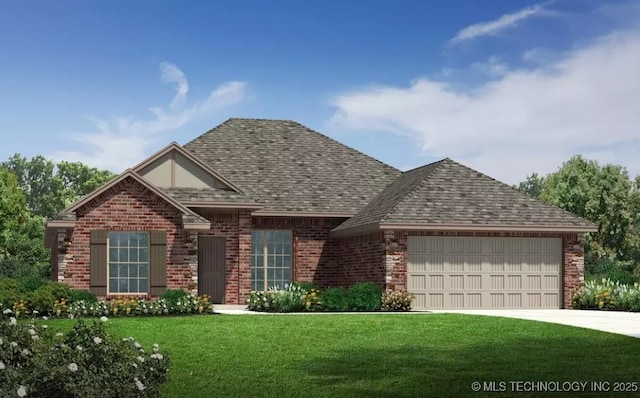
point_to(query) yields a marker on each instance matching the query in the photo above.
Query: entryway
(211, 268)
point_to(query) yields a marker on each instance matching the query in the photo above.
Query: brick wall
(315, 255)
(361, 259)
(128, 206)
(572, 246)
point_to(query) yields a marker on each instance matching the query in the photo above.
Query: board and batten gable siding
(128, 206)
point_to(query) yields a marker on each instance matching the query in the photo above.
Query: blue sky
(507, 87)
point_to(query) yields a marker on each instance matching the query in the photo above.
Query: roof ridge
(435, 166)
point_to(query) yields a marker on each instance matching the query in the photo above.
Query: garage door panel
(499, 273)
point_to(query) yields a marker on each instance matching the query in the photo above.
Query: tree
(532, 185)
(22, 248)
(602, 194)
(50, 187)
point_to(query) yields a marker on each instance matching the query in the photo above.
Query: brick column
(192, 260)
(244, 256)
(573, 259)
(395, 260)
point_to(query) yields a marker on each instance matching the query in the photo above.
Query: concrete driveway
(626, 323)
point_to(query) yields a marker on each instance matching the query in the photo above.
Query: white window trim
(109, 292)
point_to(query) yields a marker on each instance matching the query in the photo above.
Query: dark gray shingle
(288, 167)
(449, 193)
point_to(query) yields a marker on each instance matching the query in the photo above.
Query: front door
(211, 267)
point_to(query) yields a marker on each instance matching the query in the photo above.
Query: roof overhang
(224, 205)
(374, 227)
(267, 213)
(201, 223)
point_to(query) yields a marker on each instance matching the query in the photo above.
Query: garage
(447, 272)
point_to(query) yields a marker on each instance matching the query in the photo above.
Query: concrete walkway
(626, 323)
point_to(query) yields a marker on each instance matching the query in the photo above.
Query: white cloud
(122, 142)
(492, 67)
(504, 22)
(526, 120)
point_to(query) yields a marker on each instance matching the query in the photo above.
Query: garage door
(466, 272)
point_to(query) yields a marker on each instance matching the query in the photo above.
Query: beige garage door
(468, 272)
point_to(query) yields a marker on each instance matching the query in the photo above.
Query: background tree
(22, 251)
(50, 187)
(533, 185)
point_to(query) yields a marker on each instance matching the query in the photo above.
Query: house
(253, 203)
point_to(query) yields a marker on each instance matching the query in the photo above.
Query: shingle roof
(449, 193)
(289, 167)
(188, 196)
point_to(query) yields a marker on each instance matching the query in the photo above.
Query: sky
(506, 87)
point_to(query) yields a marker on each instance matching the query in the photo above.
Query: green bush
(606, 295)
(32, 283)
(614, 270)
(335, 299)
(260, 301)
(396, 300)
(86, 362)
(44, 298)
(306, 286)
(173, 296)
(10, 291)
(289, 300)
(83, 295)
(365, 296)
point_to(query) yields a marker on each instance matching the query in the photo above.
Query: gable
(174, 170)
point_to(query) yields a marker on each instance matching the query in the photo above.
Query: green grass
(373, 355)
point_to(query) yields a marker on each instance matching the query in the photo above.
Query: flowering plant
(86, 362)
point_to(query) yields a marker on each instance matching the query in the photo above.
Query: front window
(270, 259)
(128, 262)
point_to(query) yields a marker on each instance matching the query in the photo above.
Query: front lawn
(395, 355)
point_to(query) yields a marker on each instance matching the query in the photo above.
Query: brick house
(253, 203)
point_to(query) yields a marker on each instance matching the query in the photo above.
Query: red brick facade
(379, 257)
(128, 206)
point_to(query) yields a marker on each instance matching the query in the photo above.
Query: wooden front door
(211, 267)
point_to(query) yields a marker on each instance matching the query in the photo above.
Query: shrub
(10, 291)
(87, 362)
(83, 295)
(173, 296)
(396, 300)
(260, 301)
(32, 283)
(307, 286)
(603, 295)
(614, 270)
(365, 296)
(335, 299)
(44, 298)
(290, 299)
(312, 300)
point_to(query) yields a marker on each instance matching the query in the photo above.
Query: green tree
(533, 185)
(602, 194)
(50, 187)
(22, 251)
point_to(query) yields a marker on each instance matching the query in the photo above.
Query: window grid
(270, 259)
(128, 259)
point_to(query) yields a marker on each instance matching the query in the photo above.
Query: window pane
(133, 271)
(133, 285)
(123, 271)
(133, 240)
(123, 256)
(113, 285)
(113, 254)
(286, 275)
(142, 285)
(286, 261)
(142, 270)
(143, 240)
(133, 255)
(143, 255)
(123, 285)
